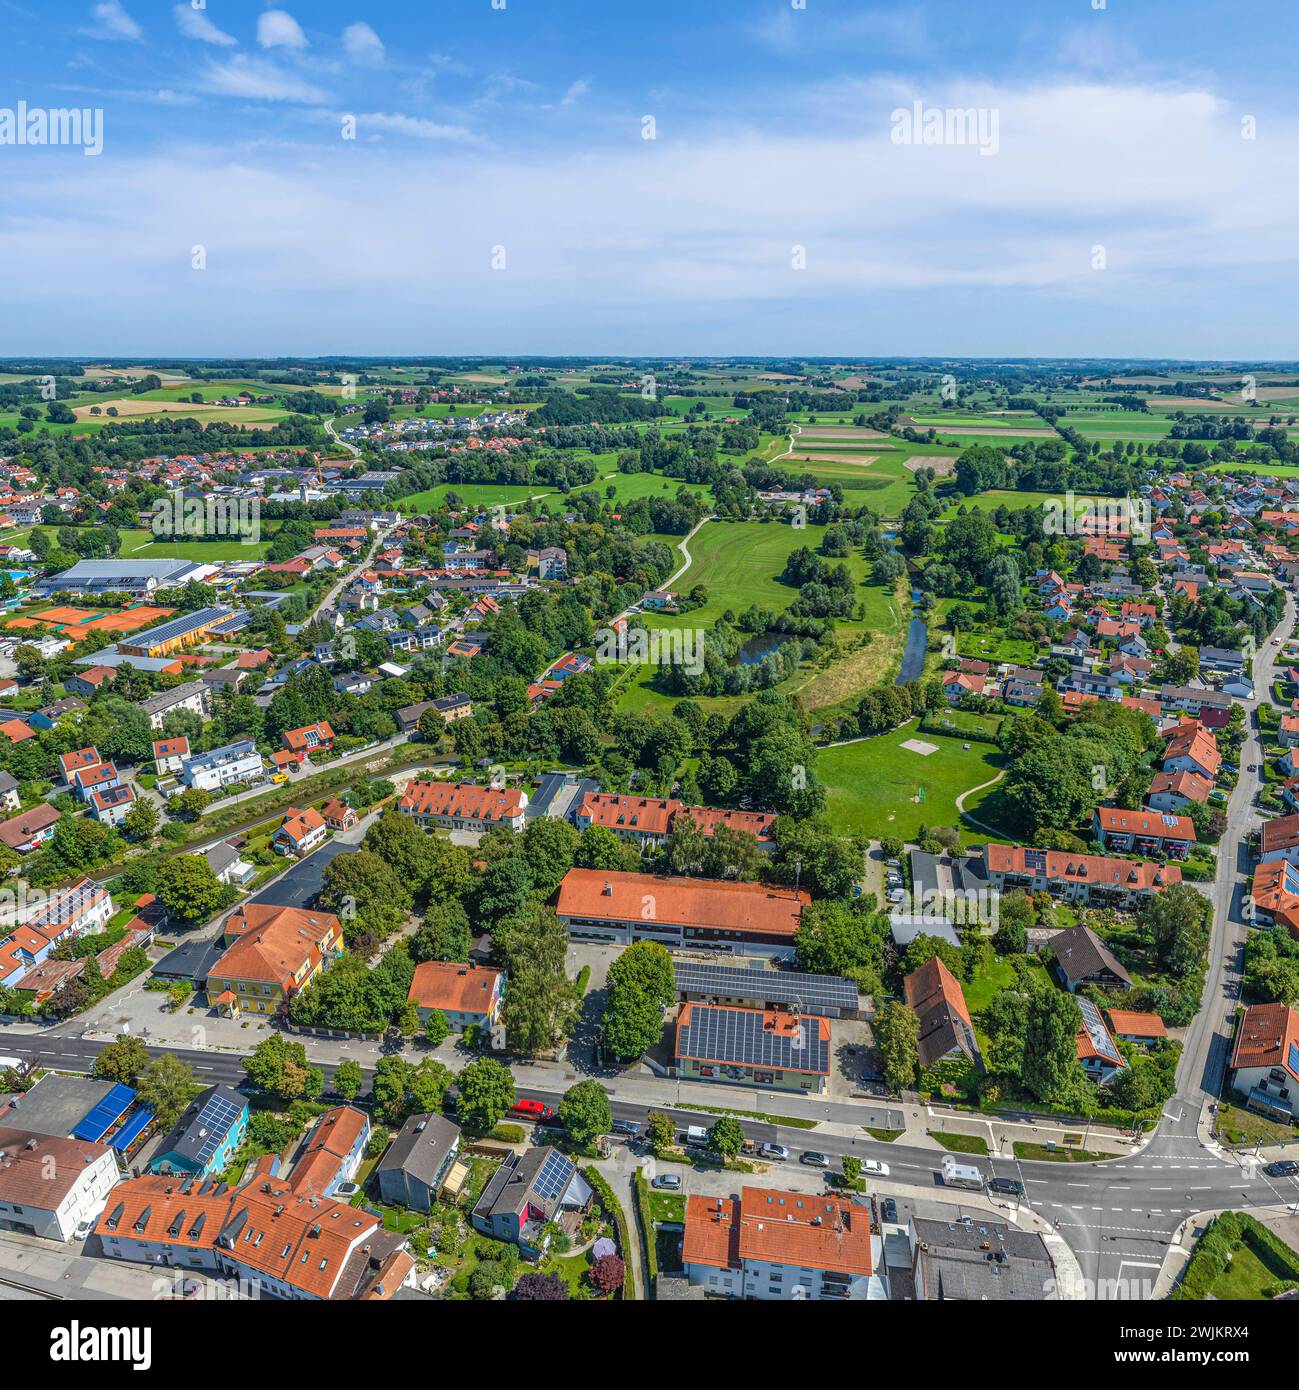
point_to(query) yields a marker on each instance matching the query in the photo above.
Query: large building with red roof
(463, 806)
(1095, 880)
(746, 919)
(776, 1246)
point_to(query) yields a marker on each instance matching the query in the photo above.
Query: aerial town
(648, 664)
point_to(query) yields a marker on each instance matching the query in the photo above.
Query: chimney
(608, 889)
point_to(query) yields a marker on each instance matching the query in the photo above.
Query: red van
(532, 1110)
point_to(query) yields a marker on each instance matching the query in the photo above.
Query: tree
(1177, 922)
(539, 1288)
(549, 847)
(279, 1067)
(141, 820)
(542, 1001)
(607, 1273)
(348, 1079)
(444, 934)
(661, 1131)
(166, 1086)
(188, 889)
(436, 1028)
(365, 892)
(726, 1137)
(585, 1111)
(600, 848)
(121, 1060)
(897, 1044)
(1051, 1069)
(641, 984)
(392, 1078)
(486, 1091)
(427, 1085)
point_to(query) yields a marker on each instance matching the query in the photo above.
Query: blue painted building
(206, 1136)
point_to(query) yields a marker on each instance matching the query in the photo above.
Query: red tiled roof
(453, 988)
(1265, 1037)
(1064, 867)
(1129, 1024)
(466, 800)
(1114, 820)
(803, 1230)
(720, 904)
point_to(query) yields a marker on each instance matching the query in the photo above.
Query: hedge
(648, 1242)
(613, 1208)
(1225, 1234)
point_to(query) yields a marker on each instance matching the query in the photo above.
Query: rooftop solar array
(1099, 1034)
(105, 1114)
(740, 1037)
(176, 627)
(556, 1173)
(216, 1117)
(808, 992)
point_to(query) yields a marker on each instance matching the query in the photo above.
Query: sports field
(876, 787)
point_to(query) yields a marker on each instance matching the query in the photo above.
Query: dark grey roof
(740, 1037)
(55, 1105)
(1081, 953)
(421, 1147)
(206, 1122)
(8, 782)
(981, 1260)
(539, 1176)
(220, 856)
(165, 699)
(810, 992)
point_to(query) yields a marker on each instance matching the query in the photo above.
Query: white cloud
(259, 79)
(194, 24)
(362, 45)
(113, 22)
(279, 29)
(576, 92)
(909, 248)
(417, 127)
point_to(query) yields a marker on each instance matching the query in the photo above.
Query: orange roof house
(16, 731)
(464, 993)
(272, 953)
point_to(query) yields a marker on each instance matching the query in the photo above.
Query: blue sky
(499, 195)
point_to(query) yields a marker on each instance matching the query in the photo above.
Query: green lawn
(877, 787)
(143, 545)
(960, 1143)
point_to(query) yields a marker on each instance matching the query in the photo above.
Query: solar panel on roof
(105, 1114)
(1098, 1032)
(216, 1118)
(776, 986)
(556, 1173)
(739, 1037)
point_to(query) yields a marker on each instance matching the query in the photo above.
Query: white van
(961, 1175)
(697, 1135)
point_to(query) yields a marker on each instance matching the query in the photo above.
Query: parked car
(776, 1151)
(814, 1159)
(874, 1168)
(1009, 1186)
(666, 1182)
(890, 1210)
(532, 1110)
(628, 1127)
(1282, 1168)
